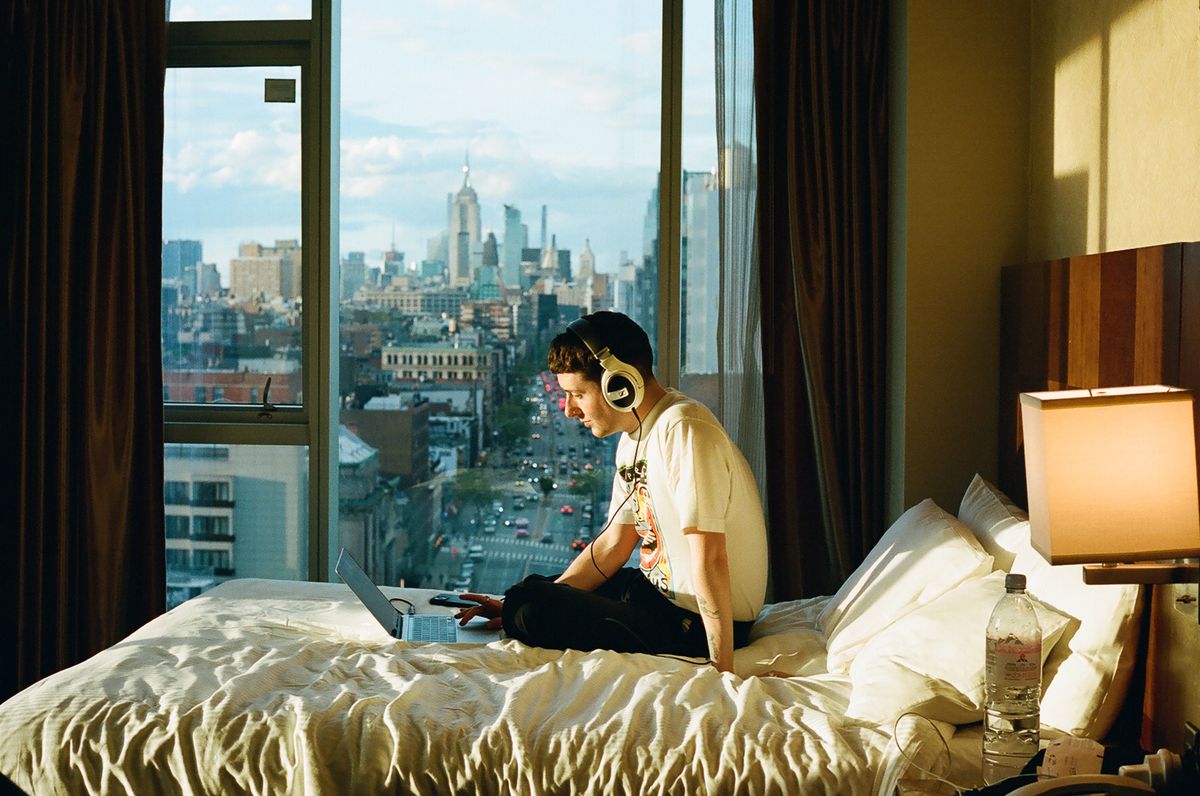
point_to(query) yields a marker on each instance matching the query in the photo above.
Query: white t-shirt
(689, 474)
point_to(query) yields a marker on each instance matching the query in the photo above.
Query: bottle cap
(1014, 581)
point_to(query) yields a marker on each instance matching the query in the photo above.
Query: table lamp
(1111, 480)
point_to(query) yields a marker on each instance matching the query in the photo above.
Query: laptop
(437, 628)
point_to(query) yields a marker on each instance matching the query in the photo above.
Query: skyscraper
(180, 259)
(353, 274)
(516, 238)
(587, 262)
(491, 250)
(267, 271)
(464, 230)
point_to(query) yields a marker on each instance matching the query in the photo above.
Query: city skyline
(548, 118)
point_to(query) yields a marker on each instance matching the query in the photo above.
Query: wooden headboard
(1106, 320)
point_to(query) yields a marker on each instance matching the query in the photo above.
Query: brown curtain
(81, 203)
(820, 73)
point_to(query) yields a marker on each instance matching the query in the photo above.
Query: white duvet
(284, 687)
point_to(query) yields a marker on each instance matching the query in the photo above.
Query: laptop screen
(366, 591)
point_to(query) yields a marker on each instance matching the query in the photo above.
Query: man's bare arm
(710, 573)
(611, 548)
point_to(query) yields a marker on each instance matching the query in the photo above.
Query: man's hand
(488, 606)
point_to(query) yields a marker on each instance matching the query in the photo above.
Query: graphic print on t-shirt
(653, 557)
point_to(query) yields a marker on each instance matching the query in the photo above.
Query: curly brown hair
(625, 339)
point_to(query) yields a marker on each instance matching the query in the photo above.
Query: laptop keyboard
(428, 627)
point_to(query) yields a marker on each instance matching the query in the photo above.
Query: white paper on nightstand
(1067, 756)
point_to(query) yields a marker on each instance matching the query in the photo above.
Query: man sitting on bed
(683, 493)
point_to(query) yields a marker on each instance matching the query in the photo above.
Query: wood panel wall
(1098, 320)
(1109, 320)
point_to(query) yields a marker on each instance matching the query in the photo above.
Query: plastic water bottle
(1012, 684)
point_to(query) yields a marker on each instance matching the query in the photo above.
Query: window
(519, 162)
(179, 526)
(210, 528)
(214, 561)
(176, 493)
(211, 493)
(354, 337)
(241, 305)
(231, 286)
(699, 280)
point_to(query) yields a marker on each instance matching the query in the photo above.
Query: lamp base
(1144, 572)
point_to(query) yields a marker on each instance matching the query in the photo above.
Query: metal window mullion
(207, 433)
(321, 170)
(250, 34)
(670, 188)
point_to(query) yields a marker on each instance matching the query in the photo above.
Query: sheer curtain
(80, 245)
(739, 325)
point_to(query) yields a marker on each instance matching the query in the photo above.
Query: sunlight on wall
(1154, 125)
(1115, 125)
(1077, 142)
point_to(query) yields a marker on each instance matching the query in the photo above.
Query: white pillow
(1088, 673)
(784, 638)
(931, 662)
(998, 523)
(923, 555)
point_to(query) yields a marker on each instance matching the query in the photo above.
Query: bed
(291, 687)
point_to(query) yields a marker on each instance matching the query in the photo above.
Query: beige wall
(1021, 131)
(1115, 125)
(959, 207)
(1115, 164)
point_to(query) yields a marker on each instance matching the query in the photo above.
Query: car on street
(547, 538)
(475, 552)
(578, 544)
(521, 533)
(566, 510)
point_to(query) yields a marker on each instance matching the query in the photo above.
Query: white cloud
(248, 158)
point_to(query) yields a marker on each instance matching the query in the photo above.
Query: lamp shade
(1111, 474)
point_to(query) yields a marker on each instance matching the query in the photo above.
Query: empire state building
(464, 230)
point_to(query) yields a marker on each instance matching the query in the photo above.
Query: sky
(554, 103)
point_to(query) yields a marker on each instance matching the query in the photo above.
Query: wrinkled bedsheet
(272, 687)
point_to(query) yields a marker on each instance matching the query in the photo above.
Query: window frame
(314, 46)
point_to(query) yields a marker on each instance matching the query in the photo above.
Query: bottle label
(1013, 663)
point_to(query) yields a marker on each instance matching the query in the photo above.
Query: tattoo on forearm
(710, 611)
(707, 609)
(714, 648)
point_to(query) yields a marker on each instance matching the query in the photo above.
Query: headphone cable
(591, 544)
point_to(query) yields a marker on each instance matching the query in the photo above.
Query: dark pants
(626, 613)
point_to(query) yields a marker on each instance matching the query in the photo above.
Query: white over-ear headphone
(621, 384)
